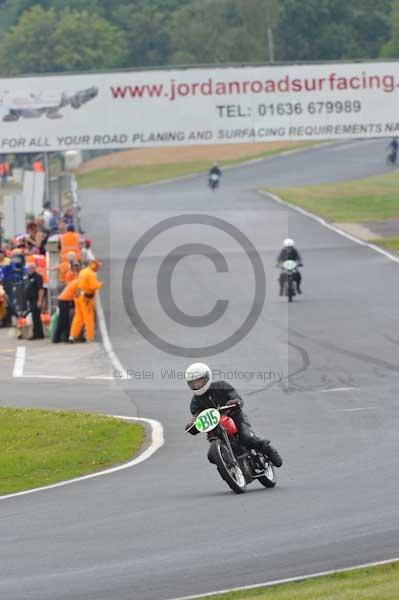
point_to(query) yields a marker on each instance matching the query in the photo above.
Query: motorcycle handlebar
(225, 407)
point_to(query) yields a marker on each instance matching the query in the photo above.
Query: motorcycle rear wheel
(230, 472)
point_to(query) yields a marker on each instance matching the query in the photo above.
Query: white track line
(19, 364)
(105, 337)
(356, 409)
(70, 377)
(329, 226)
(289, 580)
(156, 443)
(48, 377)
(100, 377)
(344, 389)
(157, 440)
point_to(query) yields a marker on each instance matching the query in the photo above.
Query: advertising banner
(199, 106)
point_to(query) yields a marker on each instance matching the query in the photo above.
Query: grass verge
(372, 198)
(390, 243)
(371, 583)
(39, 447)
(129, 176)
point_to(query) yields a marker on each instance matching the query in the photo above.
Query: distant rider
(214, 170)
(209, 394)
(289, 252)
(393, 148)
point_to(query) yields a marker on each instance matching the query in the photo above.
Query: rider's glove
(190, 428)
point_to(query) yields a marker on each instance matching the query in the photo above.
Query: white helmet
(289, 243)
(198, 374)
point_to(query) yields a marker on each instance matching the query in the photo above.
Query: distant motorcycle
(236, 465)
(392, 158)
(213, 181)
(289, 270)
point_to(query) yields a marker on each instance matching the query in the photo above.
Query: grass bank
(369, 199)
(135, 175)
(390, 243)
(39, 447)
(374, 583)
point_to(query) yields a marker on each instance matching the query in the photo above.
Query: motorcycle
(237, 466)
(214, 181)
(289, 269)
(392, 158)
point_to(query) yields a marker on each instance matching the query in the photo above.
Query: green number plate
(207, 420)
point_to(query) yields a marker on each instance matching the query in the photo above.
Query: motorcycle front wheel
(228, 468)
(269, 479)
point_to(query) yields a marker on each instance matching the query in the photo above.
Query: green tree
(147, 27)
(146, 34)
(371, 21)
(391, 48)
(332, 29)
(224, 31)
(314, 30)
(11, 10)
(51, 41)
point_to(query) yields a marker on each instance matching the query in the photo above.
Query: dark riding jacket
(289, 254)
(218, 393)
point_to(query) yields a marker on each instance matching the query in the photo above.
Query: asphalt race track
(170, 527)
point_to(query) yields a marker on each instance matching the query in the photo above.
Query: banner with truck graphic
(199, 106)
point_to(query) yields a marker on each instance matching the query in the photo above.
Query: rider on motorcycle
(215, 170)
(289, 252)
(209, 394)
(393, 148)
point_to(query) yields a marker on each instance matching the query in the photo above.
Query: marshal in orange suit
(84, 316)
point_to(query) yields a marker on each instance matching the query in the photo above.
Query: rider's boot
(272, 453)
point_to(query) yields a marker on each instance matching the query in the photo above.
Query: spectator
(3, 306)
(73, 272)
(34, 295)
(4, 260)
(41, 240)
(87, 253)
(68, 216)
(41, 225)
(30, 238)
(47, 214)
(63, 268)
(6, 286)
(62, 228)
(53, 221)
(65, 304)
(15, 282)
(4, 173)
